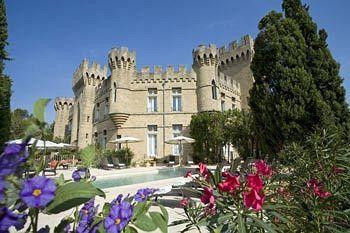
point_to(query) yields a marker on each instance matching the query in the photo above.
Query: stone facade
(153, 105)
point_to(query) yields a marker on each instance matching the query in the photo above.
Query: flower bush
(230, 200)
(307, 190)
(23, 199)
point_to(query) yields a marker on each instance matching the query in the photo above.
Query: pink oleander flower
(338, 170)
(230, 184)
(318, 188)
(184, 202)
(188, 174)
(254, 199)
(203, 170)
(262, 168)
(255, 182)
(208, 197)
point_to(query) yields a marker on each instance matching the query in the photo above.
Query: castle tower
(62, 107)
(205, 64)
(122, 63)
(85, 79)
(235, 62)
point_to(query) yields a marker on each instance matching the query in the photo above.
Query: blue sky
(49, 39)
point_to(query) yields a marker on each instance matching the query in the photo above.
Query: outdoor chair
(51, 168)
(64, 164)
(171, 163)
(117, 164)
(105, 164)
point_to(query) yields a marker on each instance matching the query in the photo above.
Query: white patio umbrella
(40, 143)
(66, 145)
(179, 140)
(126, 140)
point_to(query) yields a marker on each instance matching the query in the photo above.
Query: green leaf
(165, 213)
(39, 109)
(145, 223)
(159, 221)
(130, 229)
(262, 224)
(241, 225)
(64, 222)
(60, 181)
(32, 130)
(71, 195)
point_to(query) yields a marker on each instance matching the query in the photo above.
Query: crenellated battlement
(63, 103)
(159, 74)
(93, 71)
(122, 58)
(205, 55)
(236, 51)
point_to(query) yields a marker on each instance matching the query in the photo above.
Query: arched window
(115, 92)
(213, 90)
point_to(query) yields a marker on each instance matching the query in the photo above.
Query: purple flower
(12, 157)
(38, 191)
(118, 200)
(86, 217)
(143, 194)
(2, 189)
(119, 216)
(81, 173)
(8, 219)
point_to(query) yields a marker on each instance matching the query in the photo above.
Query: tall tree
(285, 102)
(320, 62)
(20, 120)
(5, 81)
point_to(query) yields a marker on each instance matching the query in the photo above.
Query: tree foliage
(207, 128)
(5, 81)
(239, 130)
(287, 99)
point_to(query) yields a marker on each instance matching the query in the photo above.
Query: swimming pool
(160, 174)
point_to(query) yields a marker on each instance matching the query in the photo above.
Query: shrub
(317, 183)
(88, 155)
(124, 155)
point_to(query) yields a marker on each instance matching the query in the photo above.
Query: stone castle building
(152, 106)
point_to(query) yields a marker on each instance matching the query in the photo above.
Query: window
(115, 92)
(97, 112)
(213, 90)
(233, 103)
(106, 110)
(152, 140)
(86, 136)
(177, 130)
(104, 139)
(119, 145)
(87, 118)
(177, 105)
(222, 102)
(223, 105)
(152, 100)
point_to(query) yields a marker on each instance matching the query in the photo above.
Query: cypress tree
(284, 100)
(320, 63)
(5, 81)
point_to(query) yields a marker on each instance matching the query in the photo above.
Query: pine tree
(320, 63)
(285, 102)
(5, 81)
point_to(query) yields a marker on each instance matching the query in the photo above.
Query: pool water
(161, 174)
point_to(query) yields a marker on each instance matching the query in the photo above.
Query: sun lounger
(171, 163)
(52, 166)
(105, 164)
(117, 164)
